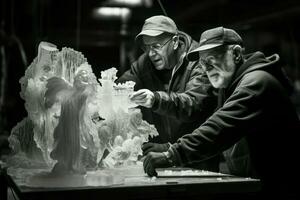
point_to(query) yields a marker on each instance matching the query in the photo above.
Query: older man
(174, 93)
(256, 107)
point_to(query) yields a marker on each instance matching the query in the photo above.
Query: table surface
(128, 184)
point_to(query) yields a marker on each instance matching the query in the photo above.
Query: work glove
(154, 147)
(143, 97)
(155, 160)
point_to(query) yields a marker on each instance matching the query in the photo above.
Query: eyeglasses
(155, 46)
(208, 62)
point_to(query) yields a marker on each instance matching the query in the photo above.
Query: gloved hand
(155, 160)
(154, 147)
(143, 97)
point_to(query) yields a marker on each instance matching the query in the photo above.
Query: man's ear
(238, 53)
(175, 41)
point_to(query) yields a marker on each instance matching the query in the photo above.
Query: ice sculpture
(129, 134)
(74, 123)
(114, 96)
(35, 132)
(75, 131)
(123, 128)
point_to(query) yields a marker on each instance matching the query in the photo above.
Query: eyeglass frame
(145, 48)
(206, 65)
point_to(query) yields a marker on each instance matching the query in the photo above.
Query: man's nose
(207, 68)
(151, 52)
(204, 68)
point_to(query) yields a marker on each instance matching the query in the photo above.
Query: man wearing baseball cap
(255, 106)
(173, 93)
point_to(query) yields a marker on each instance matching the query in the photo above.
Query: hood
(186, 42)
(258, 61)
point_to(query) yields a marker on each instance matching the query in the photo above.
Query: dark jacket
(184, 105)
(189, 94)
(257, 107)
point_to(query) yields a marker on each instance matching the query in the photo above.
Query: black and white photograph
(149, 99)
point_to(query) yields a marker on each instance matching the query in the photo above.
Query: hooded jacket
(256, 107)
(185, 104)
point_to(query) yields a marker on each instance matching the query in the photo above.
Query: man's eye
(209, 67)
(156, 46)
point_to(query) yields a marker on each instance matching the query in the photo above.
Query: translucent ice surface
(75, 122)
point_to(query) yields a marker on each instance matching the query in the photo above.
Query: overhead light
(112, 12)
(129, 3)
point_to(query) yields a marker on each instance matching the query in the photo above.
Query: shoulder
(259, 81)
(258, 77)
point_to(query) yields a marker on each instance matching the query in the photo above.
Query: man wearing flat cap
(174, 93)
(255, 105)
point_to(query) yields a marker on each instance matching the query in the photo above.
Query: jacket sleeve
(131, 75)
(223, 129)
(197, 102)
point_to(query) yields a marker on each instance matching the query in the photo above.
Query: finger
(142, 158)
(151, 171)
(148, 151)
(137, 94)
(139, 101)
(145, 146)
(145, 164)
(148, 167)
(138, 98)
(154, 173)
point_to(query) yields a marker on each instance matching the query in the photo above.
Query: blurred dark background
(104, 31)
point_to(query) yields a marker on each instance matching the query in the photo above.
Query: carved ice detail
(72, 119)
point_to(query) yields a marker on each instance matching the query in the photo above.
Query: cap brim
(194, 54)
(152, 33)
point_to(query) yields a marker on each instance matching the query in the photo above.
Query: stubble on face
(222, 71)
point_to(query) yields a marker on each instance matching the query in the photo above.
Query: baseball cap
(157, 25)
(213, 38)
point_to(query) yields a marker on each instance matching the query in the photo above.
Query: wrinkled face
(159, 50)
(219, 65)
